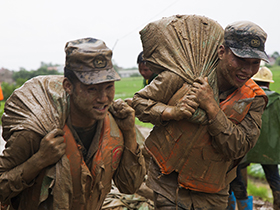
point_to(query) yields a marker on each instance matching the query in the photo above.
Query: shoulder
(25, 134)
(24, 142)
(250, 84)
(168, 79)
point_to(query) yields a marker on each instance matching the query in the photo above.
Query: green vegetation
(276, 77)
(256, 171)
(21, 76)
(126, 87)
(258, 191)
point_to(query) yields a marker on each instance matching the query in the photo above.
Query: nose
(251, 66)
(102, 96)
(247, 69)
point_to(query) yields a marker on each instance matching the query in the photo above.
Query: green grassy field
(126, 89)
(276, 77)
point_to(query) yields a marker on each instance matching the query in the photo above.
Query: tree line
(21, 76)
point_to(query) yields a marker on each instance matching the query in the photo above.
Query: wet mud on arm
(16, 160)
(131, 171)
(151, 101)
(234, 141)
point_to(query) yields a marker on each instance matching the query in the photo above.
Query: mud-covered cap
(246, 40)
(90, 60)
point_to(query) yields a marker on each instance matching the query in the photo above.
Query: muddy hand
(123, 114)
(203, 92)
(205, 97)
(128, 101)
(183, 110)
(52, 147)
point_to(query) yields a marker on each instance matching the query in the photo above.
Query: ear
(68, 86)
(221, 51)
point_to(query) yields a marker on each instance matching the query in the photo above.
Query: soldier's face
(92, 102)
(145, 71)
(235, 71)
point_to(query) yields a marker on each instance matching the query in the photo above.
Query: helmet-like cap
(263, 75)
(90, 60)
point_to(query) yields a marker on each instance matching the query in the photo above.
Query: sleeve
(131, 172)
(19, 148)
(151, 101)
(234, 141)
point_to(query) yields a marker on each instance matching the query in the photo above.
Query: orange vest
(90, 185)
(186, 148)
(106, 158)
(1, 94)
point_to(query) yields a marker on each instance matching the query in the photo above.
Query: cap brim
(97, 76)
(263, 80)
(250, 53)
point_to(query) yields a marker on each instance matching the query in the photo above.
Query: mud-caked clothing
(229, 141)
(148, 81)
(91, 170)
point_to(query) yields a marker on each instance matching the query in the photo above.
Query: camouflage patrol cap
(246, 40)
(90, 60)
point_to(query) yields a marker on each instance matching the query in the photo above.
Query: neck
(80, 121)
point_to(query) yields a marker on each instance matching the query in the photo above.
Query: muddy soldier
(200, 178)
(100, 145)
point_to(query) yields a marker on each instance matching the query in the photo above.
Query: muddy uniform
(230, 140)
(148, 81)
(118, 163)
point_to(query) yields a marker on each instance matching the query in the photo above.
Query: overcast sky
(35, 31)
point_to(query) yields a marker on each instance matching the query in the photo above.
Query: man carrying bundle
(193, 163)
(69, 164)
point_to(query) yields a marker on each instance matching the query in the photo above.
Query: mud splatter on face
(235, 71)
(91, 102)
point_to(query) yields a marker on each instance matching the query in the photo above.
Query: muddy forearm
(232, 140)
(16, 180)
(131, 171)
(130, 139)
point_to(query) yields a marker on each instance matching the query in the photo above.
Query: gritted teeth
(241, 77)
(101, 107)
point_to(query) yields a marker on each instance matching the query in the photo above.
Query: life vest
(186, 148)
(90, 185)
(107, 158)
